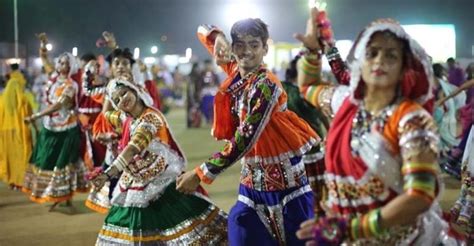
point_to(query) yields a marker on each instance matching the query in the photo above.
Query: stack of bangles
(310, 65)
(120, 163)
(367, 225)
(334, 231)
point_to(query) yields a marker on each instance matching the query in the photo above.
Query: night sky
(141, 23)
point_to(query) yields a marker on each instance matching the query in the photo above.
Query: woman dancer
(146, 208)
(15, 135)
(382, 146)
(54, 173)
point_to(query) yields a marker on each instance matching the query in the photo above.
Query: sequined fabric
(54, 186)
(209, 228)
(65, 118)
(272, 177)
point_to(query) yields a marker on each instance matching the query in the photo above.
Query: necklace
(365, 121)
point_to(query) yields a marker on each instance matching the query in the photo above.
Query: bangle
(106, 172)
(375, 220)
(369, 225)
(35, 116)
(108, 176)
(333, 54)
(120, 163)
(312, 70)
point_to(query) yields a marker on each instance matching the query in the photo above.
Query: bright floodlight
(38, 62)
(444, 34)
(320, 5)
(189, 53)
(74, 51)
(149, 60)
(13, 61)
(49, 47)
(241, 10)
(183, 60)
(136, 53)
(154, 49)
(344, 46)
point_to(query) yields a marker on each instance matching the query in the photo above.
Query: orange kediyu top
(251, 115)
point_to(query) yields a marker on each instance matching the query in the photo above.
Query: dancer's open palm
(310, 39)
(222, 50)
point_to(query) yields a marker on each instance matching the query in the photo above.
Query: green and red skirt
(173, 219)
(55, 173)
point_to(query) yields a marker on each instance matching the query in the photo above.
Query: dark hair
(253, 27)
(450, 60)
(87, 57)
(125, 53)
(14, 66)
(438, 70)
(208, 62)
(292, 70)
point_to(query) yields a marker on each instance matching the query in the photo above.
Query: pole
(15, 16)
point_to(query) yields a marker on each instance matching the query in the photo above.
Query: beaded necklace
(365, 121)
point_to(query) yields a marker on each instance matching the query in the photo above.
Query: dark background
(141, 23)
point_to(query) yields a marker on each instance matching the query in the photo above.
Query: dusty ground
(26, 223)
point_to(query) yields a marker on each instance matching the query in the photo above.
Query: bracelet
(120, 163)
(333, 54)
(417, 167)
(36, 116)
(108, 176)
(367, 226)
(308, 68)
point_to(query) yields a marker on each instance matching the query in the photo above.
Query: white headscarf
(141, 92)
(357, 54)
(73, 63)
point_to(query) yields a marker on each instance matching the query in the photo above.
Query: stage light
(444, 34)
(240, 10)
(136, 53)
(149, 60)
(189, 53)
(320, 5)
(74, 51)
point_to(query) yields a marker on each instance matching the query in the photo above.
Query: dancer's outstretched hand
(28, 119)
(222, 50)
(42, 37)
(110, 39)
(188, 182)
(310, 39)
(31, 118)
